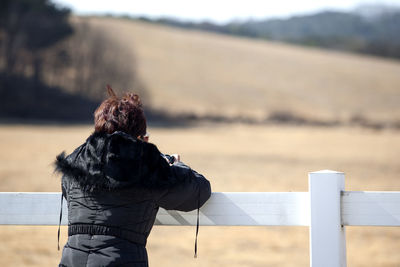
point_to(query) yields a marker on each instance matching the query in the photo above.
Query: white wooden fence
(326, 209)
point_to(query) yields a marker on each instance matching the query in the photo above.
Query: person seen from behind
(114, 184)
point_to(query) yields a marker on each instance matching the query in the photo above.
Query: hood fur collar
(112, 161)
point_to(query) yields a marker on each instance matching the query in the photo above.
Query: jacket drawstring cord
(59, 224)
(197, 226)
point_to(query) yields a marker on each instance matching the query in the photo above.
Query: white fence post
(327, 235)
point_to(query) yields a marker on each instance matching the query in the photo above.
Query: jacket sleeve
(190, 194)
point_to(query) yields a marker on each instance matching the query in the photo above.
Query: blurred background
(252, 94)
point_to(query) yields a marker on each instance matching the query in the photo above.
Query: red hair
(120, 114)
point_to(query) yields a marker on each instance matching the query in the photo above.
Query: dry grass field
(207, 73)
(234, 158)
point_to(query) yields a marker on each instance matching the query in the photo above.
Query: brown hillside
(205, 73)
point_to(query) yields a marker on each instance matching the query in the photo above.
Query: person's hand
(177, 157)
(171, 159)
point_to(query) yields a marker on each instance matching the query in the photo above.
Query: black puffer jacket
(114, 185)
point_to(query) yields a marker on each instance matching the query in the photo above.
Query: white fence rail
(326, 209)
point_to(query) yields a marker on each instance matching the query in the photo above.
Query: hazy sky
(214, 10)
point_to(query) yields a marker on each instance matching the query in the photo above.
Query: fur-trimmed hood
(111, 161)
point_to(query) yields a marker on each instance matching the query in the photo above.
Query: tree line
(55, 66)
(369, 29)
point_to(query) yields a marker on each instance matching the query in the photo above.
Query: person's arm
(189, 194)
